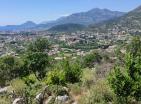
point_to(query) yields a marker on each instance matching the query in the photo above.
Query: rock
(47, 101)
(62, 99)
(47, 91)
(3, 90)
(39, 97)
(66, 89)
(18, 101)
(74, 103)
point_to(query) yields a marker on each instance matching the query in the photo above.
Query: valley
(90, 57)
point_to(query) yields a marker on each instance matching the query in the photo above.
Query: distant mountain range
(127, 22)
(24, 26)
(93, 16)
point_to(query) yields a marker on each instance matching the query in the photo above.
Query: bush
(75, 89)
(100, 93)
(18, 86)
(73, 71)
(126, 80)
(90, 59)
(39, 45)
(30, 79)
(5, 100)
(55, 77)
(66, 72)
(10, 68)
(88, 77)
(37, 63)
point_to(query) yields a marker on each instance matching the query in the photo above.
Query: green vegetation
(91, 58)
(66, 72)
(55, 77)
(70, 27)
(100, 93)
(125, 81)
(82, 79)
(10, 68)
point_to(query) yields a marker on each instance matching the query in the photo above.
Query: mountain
(130, 21)
(67, 27)
(24, 26)
(93, 16)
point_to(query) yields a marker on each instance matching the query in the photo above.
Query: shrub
(90, 59)
(100, 93)
(39, 45)
(75, 88)
(18, 86)
(55, 77)
(37, 63)
(126, 81)
(66, 72)
(88, 77)
(5, 100)
(30, 79)
(73, 71)
(10, 68)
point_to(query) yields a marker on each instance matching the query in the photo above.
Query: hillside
(24, 26)
(67, 28)
(93, 16)
(129, 22)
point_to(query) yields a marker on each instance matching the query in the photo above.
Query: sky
(18, 11)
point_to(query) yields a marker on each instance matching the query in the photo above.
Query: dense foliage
(92, 58)
(81, 78)
(10, 68)
(126, 81)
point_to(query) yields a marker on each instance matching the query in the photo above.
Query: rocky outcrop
(18, 101)
(3, 90)
(62, 99)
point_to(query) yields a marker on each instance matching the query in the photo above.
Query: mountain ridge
(70, 27)
(127, 22)
(26, 25)
(92, 16)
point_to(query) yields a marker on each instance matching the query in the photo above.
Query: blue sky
(19, 11)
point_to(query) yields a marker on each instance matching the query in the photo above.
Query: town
(74, 43)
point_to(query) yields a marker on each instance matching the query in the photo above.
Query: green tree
(134, 47)
(56, 77)
(39, 45)
(65, 72)
(90, 59)
(126, 81)
(72, 70)
(37, 63)
(10, 68)
(37, 58)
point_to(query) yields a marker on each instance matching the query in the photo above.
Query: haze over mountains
(95, 19)
(93, 16)
(24, 26)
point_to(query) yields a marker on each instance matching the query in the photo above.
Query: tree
(72, 70)
(37, 57)
(65, 72)
(56, 77)
(134, 47)
(10, 68)
(37, 63)
(126, 81)
(91, 58)
(39, 45)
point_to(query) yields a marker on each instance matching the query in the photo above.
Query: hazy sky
(19, 11)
